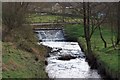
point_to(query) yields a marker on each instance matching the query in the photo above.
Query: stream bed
(65, 60)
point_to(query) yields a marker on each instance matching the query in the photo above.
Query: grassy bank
(38, 18)
(22, 57)
(108, 56)
(21, 64)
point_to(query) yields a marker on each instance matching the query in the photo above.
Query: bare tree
(101, 36)
(13, 14)
(87, 25)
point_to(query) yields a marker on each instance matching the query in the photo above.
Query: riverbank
(106, 58)
(22, 57)
(105, 61)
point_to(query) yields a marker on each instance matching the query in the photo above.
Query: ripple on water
(73, 68)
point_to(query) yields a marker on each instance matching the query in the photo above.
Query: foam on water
(73, 68)
(50, 35)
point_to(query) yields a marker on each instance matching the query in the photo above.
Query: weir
(66, 60)
(50, 34)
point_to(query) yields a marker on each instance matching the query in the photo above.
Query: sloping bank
(106, 60)
(22, 57)
(99, 61)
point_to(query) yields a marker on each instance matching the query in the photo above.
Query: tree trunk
(87, 26)
(84, 10)
(118, 24)
(101, 36)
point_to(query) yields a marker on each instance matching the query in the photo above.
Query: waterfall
(66, 60)
(50, 35)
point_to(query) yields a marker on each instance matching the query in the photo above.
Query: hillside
(22, 56)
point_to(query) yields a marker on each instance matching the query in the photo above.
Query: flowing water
(66, 60)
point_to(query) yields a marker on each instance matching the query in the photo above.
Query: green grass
(20, 64)
(19, 53)
(77, 30)
(110, 59)
(97, 41)
(36, 18)
(109, 56)
(74, 31)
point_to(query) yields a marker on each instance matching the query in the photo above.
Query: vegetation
(38, 18)
(20, 50)
(109, 56)
(20, 64)
(22, 56)
(99, 36)
(99, 33)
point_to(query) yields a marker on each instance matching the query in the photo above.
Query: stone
(66, 57)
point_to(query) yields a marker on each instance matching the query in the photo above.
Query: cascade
(66, 60)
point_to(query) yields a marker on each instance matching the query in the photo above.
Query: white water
(50, 35)
(73, 68)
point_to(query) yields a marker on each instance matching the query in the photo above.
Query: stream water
(66, 60)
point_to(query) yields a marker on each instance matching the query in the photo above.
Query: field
(37, 18)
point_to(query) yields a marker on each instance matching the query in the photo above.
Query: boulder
(66, 57)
